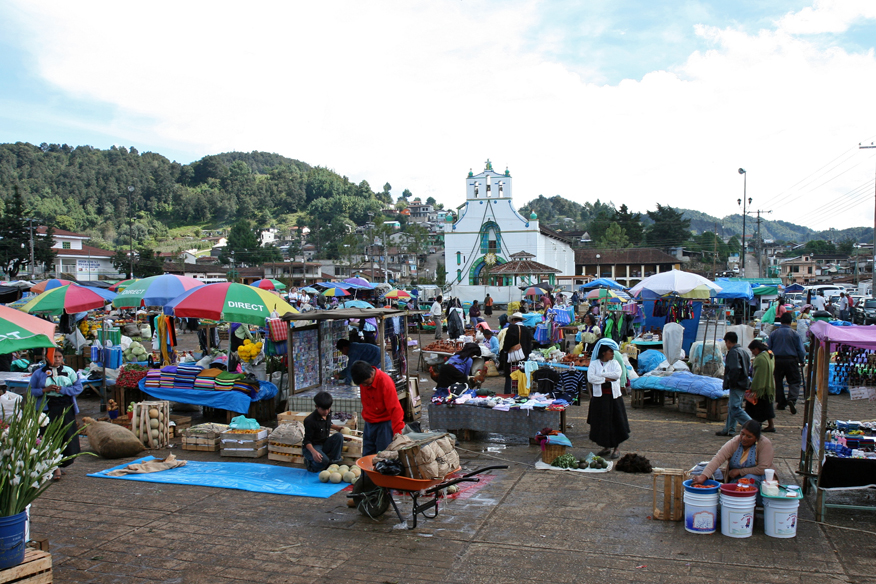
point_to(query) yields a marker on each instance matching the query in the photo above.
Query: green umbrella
(20, 331)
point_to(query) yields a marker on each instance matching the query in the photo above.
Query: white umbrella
(677, 282)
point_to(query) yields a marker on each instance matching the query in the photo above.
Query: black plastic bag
(389, 467)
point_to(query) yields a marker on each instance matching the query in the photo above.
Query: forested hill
(565, 214)
(85, 189)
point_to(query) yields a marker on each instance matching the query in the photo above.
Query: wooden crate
(287, 458)
(181, 422)
(35, 569)
(253, 445)
(287, 417)
(671, 508)
(141, 423)
(714, 410)
(200, 444)
(643, 397)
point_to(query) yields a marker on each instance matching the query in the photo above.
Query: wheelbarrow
(373, 493)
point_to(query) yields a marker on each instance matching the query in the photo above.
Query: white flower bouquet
(28, 460)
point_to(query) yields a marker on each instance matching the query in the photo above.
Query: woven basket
(551, 452)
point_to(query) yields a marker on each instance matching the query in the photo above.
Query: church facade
(488, 232)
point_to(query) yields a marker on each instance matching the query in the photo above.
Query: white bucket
(700, 512)
(780, 517)
(737, 515)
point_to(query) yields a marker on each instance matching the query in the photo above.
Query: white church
(491, 248)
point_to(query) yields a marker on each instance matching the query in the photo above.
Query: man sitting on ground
(321, 448)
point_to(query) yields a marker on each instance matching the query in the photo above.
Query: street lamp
(744, 201)
(371, 237)
(130, 234)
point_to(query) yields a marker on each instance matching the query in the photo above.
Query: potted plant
(27, 462)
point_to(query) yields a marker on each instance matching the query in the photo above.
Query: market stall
(313, 359)
(837, 455)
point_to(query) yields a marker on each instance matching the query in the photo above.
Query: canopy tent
(859, 336)
(602, 283)
(734, 289)
(794, 288)
(359, 283)
(766, 291)
(686, 284)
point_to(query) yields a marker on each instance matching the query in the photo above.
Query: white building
(75, 258)
(488, 231)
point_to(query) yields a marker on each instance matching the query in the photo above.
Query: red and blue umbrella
(229, 302)
(268, 284)
(155, 291)
(68, 299)
(50, 284)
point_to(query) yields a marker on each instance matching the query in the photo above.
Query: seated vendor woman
(457, 369)
(321, 448)
(747, 456)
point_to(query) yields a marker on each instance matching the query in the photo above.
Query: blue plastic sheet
(734, 289)
(243, 476)
(531, 319)
(683, 382)
(235, 401)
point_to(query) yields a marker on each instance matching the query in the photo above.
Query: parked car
(865, 312)
(795, 298)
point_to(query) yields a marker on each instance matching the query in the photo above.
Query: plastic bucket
(737, 515)
(780, 517)
(12, 540)
(700, 512)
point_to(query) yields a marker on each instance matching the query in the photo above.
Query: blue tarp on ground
(734, 289)
(683, 382)
(236, 401)
(244, 476)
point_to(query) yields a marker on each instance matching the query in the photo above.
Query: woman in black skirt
(607, 415)
(759, 401)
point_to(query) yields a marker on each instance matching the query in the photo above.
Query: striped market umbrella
(229, 302)
(68, 299)
(603, 294)
(534, 291)
(155, 291)
(268, 284)
(397, 294)
(49, 285)
(19, 331)
(338, 291)
(119, 286)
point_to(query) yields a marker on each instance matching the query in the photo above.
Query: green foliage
(708, 244)
(440, 274)
(818, 246)
(846, 247)
(631, 224)
(733, 245)
(669, 228)
(148, 263)
(15, 238)
(243, 246)
(615, 237)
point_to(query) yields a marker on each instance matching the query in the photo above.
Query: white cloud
(415, 94)
(827, 16)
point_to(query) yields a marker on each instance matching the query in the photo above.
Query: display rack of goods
(151, 423)
(89, 328)
(582, 360)
(130, 376)
(443, 346)
(203, 437)
(244, 443)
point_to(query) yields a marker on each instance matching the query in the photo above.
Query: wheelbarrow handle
(486, 468)
(455, 481)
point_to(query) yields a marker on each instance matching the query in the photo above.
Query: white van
(826, 290)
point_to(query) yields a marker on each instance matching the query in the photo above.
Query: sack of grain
(111, 440)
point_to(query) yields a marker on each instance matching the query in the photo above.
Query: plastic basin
(713, 487)
(730, 491)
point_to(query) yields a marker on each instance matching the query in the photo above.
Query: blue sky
(633, 102)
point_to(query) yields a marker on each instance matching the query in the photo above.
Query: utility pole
(744, 201)
(715, 249)
(32, 262)
(873, 271)
(131, 227)
(758, 246)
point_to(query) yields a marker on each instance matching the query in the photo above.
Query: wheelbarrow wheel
(373, 500)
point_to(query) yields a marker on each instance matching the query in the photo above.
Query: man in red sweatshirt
(381, 409)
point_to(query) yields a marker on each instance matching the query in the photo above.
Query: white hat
(516, 315)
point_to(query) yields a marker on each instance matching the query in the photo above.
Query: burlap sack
(427, 454)
(430, 471)
(386, 455)
(289, 433)
(398, 441)
(445, 444)
(111, 440)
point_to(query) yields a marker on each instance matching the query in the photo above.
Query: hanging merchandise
(541, 334)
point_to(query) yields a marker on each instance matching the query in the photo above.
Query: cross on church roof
(489, 165)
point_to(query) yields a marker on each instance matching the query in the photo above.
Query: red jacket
(380, 402)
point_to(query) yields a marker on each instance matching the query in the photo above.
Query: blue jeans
(735, 412)
(376, 437)
(331, 452)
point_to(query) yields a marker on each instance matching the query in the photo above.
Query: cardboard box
(200, 444)
(243, 449)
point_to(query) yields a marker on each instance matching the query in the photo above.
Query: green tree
(846, 247)
(818, 246)
(733, 245)
(631, 223)
(14, 236)
(406, 194)
(121, 263)
(148, 263)
(43, 253)
(669, 227)
(242, 246)
(431, 201)
(615, 237)
(440, 274)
